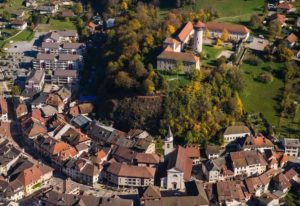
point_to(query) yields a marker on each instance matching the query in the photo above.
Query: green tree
(255, 21)
(78, 8)
(6, 15)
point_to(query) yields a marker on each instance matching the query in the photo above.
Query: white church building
(179, 165)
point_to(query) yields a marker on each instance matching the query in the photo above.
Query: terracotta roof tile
(185, 32)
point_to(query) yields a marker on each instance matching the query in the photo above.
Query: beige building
(129, 176)
(248, 163)
(168, 60)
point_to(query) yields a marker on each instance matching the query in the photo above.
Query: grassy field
(25, 35)
(12, 5)
(62, 25)
(175, 80)
(226, 8)
(261, 97)
(212, 54)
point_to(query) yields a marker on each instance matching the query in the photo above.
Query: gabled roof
(231, 28)
(292, 38)
(178, 56)
(236, 129)
(186, 31)
(151, 192)
(124, 170)
(180, 161)
(3, 105)
(254, 142)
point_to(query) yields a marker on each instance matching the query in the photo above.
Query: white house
(291, 146)
(233, 132)
(248, 163)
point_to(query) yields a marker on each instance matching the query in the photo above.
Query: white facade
(198, 38)
(175, 180)
(168, 143)
(232, 137)
(250, 170)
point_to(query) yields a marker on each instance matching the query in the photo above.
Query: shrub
(266, 77)
(253, 60)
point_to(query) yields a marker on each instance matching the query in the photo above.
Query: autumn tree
(274, 29)
(206, 34)
(123, 80)
(225, 35)
(285, 54)
(78, 8)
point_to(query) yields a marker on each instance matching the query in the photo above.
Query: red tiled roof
(185, 32)
(124, 170)
(199, 24)
(3, 105)
(178, 56)
(292, 38)
(231, 28)
(184, 163)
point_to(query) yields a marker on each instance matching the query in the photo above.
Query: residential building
(276, 159)
(58, 152)
(232, 193)
(34, 177)
(8, 156)
(82, 171)
(291, 40)
(291, 147)
(18, 24)
(258, 142)
(61, 36)
(236, 32)
(50, 198)
(11, 191)
(282, 183)
(195, 195)
(36, 80)
(124, 154)
(3, 109)
(268, 199)
(48, 9)
(64, 77)
(193, 152)
(248, 163)
(21, 109)
(53, 62)
(63, 48)
(129, 176)
(237, 131)
(216, 170)
(258, 185)
(213, 151)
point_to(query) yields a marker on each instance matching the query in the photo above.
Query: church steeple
(169, 136)
(168, 143)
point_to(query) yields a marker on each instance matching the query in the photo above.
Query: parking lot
(24, 47)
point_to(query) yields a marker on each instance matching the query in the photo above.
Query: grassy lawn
(226, 8)
(25, 35)
(212, 54)
(61, 25)
(13, 5)
(261, 97)
(175, 80)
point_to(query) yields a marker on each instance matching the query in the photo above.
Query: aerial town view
(149, 102)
